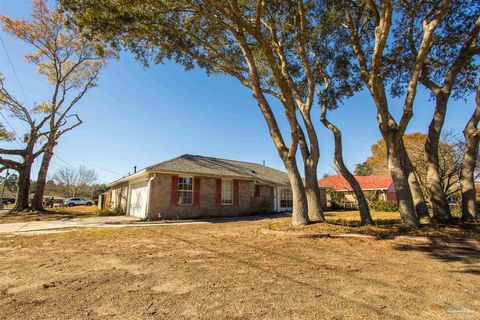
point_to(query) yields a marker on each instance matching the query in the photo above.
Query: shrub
(336, 200)
(118, 211)
(382, 205)
(336, 206)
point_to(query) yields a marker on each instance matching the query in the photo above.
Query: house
(192, 186)
(374, 187)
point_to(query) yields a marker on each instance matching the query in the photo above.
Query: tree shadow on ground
(448, 249)
(386, 229)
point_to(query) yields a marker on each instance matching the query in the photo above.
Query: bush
(336, 200)
(334, 206)
(111, 212)
(382, 205)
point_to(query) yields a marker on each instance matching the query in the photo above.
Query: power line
(68, 164)
(104, 169)
(93, 165)
(13, 69)
(16, 75)
(26, 98)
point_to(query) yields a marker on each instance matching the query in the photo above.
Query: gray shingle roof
(194, 164)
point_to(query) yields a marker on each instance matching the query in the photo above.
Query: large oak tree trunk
(438, 199)
(314, 202)
(365, 217)
(300, 206)
(467, 182)
(418, 197)
(37, 202)
(310, 160)
(21, 203)
(397, 160)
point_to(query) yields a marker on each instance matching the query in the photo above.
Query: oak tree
(265, 45)
(370, 29)
(450, 71)
(469, 161)
(71, 65)
(31, 143)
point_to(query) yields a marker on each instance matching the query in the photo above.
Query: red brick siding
(161, 208)
(262, 202)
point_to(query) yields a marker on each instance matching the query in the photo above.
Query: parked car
(78, 202)
(8, 200)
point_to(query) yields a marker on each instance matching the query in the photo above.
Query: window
(185, 191)
(227, 192)
(286, 198)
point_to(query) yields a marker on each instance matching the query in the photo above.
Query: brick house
(192, 186)
(375, 188)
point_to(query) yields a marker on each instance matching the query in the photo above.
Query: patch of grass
(111, 212)
(86, 210)
(387, 225)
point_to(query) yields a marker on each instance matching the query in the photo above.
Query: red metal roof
(366, 182)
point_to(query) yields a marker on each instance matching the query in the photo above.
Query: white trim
(129, 178)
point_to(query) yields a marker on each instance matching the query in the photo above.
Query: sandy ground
(231, 270)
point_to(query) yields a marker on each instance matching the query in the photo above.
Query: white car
(78, 202)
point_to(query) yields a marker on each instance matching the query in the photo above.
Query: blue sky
(138, 117)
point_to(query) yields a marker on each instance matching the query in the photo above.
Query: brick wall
(161, 208)
(263, 203)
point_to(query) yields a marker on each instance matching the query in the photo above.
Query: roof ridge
(237, 161)
(197, 155)
(166, 161)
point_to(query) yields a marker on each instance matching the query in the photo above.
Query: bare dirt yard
(233, 270)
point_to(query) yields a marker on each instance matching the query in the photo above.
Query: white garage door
(138, 200)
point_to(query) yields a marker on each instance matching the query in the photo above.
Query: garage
(137, 206)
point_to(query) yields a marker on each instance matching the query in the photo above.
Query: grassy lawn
(52, 214)
(233, 271)
(387, 225)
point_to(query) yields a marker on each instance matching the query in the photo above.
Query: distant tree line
(66, 182)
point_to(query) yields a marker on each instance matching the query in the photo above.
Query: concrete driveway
(111, 222)
(45, 226)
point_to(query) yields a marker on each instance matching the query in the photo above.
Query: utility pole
(3, 190)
